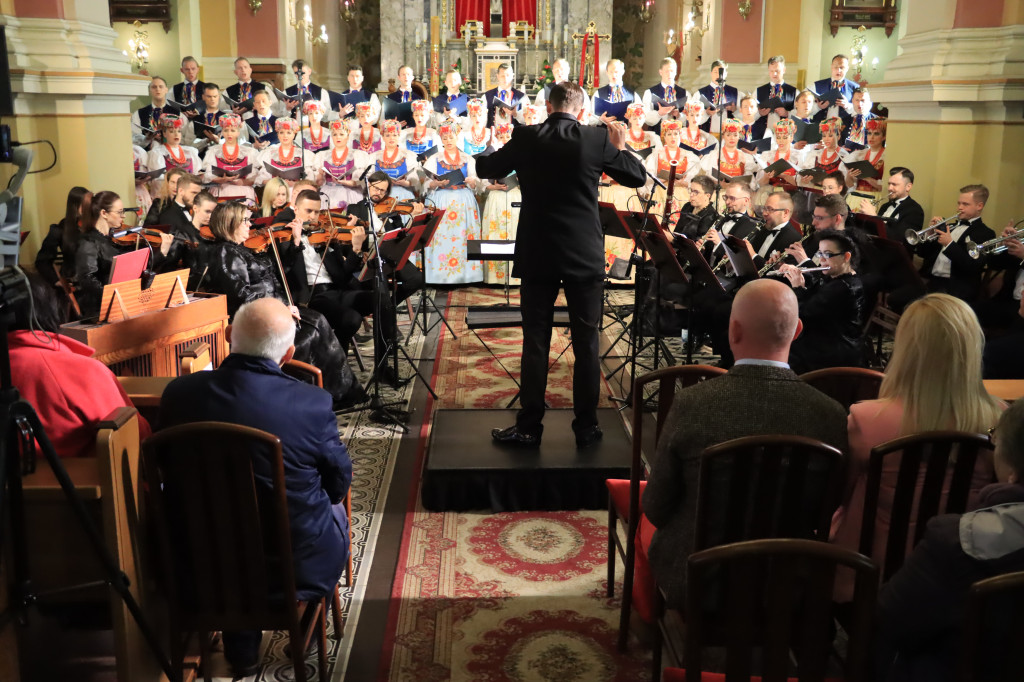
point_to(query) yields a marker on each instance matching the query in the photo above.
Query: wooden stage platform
(466, 470)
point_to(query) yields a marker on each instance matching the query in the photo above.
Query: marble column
(955, 95)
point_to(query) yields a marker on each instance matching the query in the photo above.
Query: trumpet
(804, 271)
(992, 246)
(929, 233)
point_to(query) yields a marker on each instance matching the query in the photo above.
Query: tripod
(20, 423)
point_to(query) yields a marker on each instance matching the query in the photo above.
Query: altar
(432, 36)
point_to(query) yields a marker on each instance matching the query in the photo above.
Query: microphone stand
(302, 138)
(721, 115)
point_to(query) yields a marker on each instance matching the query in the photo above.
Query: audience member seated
(318, 468)
(921, 609)
(932, 382)
(760, 395)
(57, 375)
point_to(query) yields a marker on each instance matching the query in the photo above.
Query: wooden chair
(761, 487)
(227, 559)
(623, 495)
(993, 631)
(882, 321)
(775, 600)
(196, 357)
(846, 385)
(932, 463)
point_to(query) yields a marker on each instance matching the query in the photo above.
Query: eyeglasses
(121, 212)
(829, 254)
(379, 188)
(774, 210)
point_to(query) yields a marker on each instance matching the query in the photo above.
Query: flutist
(832, 307)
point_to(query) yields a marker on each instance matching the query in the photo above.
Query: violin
(151, 236)
(259, 240)
(393, 205)
(339, 235)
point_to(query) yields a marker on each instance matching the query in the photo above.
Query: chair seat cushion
(643, 578)
(618, 492)
(679, 675)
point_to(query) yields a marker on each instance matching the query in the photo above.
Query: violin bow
(280, 267)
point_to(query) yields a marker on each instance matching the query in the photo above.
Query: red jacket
(69, 390)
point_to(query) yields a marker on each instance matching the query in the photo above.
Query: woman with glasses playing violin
(832, 307)
(95, 253)
(244, 268)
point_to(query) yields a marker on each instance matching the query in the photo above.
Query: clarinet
(772, 263)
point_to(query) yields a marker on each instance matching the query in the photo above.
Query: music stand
(430, 222)
(742, 264)
(612, 225)
(873, 225)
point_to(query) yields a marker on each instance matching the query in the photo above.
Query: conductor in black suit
(560, 244)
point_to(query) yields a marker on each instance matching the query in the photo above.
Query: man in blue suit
(318, 470)
(838, 81)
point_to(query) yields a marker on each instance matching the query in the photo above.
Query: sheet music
(498, 249)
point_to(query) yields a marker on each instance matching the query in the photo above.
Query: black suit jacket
(180, 255)
(235, 91)
(179, 92)
(790, 235)
(731, 97)
(559, 164)
(964, 271)
(908, 216)
(788, 97)
(742, 228)
(518, 100)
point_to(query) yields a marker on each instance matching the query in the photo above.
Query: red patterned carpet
(502, 597)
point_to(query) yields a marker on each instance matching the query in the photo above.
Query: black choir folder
(245, 104)
(756, 146)
(149, 175)
(867, 171)
(240, 173)
(779, 167)
(616, 109)
(675, 104)
(454, 177)
(283, 173)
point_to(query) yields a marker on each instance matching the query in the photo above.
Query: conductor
(560, 244)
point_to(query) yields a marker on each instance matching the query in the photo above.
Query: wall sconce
(306, 25)
(690, 29)
(646, 11)
(255, 6)
(744, 8)
(858, 50)
(347, 10)
(138, 48)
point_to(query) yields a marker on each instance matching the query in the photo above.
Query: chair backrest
(846, 385)
(777, 599)
(225, 538)
(767, 487)
(195, 358)
(930, 464)
(994, 631)
(303, 371)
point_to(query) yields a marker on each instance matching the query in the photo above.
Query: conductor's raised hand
(617, 135)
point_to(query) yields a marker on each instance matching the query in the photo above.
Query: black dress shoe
(513, 436)
(587, 437)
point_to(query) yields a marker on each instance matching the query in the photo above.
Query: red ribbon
(583, 59)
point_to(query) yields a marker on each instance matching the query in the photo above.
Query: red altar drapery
(472, 10)
(518, 10)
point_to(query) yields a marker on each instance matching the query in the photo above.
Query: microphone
(122, 233)
(366, 171)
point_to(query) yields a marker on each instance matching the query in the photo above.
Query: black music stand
(429, 222)
(742, 264)
(872, 225)
(700, 273)
(612, 225)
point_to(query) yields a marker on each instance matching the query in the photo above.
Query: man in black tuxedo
(505, 92)
(560, 244)
(779, 230)
(901, 212)
(190, 90)
(179, 216)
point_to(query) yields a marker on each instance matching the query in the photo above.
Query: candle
(308, 15)
(465, 36)
(536, 38)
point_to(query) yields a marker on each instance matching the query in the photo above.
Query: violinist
(176, 213)
(62, 238)
(231, 157)
(96, 251)
(335, 168)
(189, 251)
(243, 274)
(275, 197)
(164, 196)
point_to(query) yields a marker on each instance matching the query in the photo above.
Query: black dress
(243, 275)
(93, 258)
(832, 310)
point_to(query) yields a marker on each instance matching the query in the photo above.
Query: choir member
(284, 155)
(501, 216)
(275, 197)
(559, 74)
(873, 154)
(366, 137)
(191, 89)
(613, 93)
(753, 128)
(832, 307)
(420, 138)
(245, 88)
(533, 115)
(143, 197)
(693, 136)
(829, 158)
(733, 161)
(450, 104)
(244, 275)
(776, 88)
(668, 91)
(505, 91)
(477, 136)
(148, 117)
(396, 161)
(262, 122)
(803, 107)
(721, 96)
(335, 168)
(671, 155)
(838, 81)
(446, 257)
(62, 238)
(309, 90)
(625, 198)
(209, 115)
(172, 153)
(861, 115)
(231, 156)
(405, 92)
(356, 94)
(315, 136)
(783, 132)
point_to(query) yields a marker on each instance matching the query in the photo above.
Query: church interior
(468, 556)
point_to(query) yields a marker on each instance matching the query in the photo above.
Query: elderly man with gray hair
(250, 389)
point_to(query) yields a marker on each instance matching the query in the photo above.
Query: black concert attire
(833, 311)
(784, 91)
(694, 226)
(962, 277)
(188, 93)
(93, 259)
(725, 96)
(243, 275)
(54, 246)
(181, 253)
(510, 96)
(1001, 312)
(560, 244)
(901, 215)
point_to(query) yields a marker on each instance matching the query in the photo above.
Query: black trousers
(584, 299)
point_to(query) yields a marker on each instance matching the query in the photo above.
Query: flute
(803, 271)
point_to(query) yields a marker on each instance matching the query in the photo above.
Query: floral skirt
(500, 221)
(446, 255)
